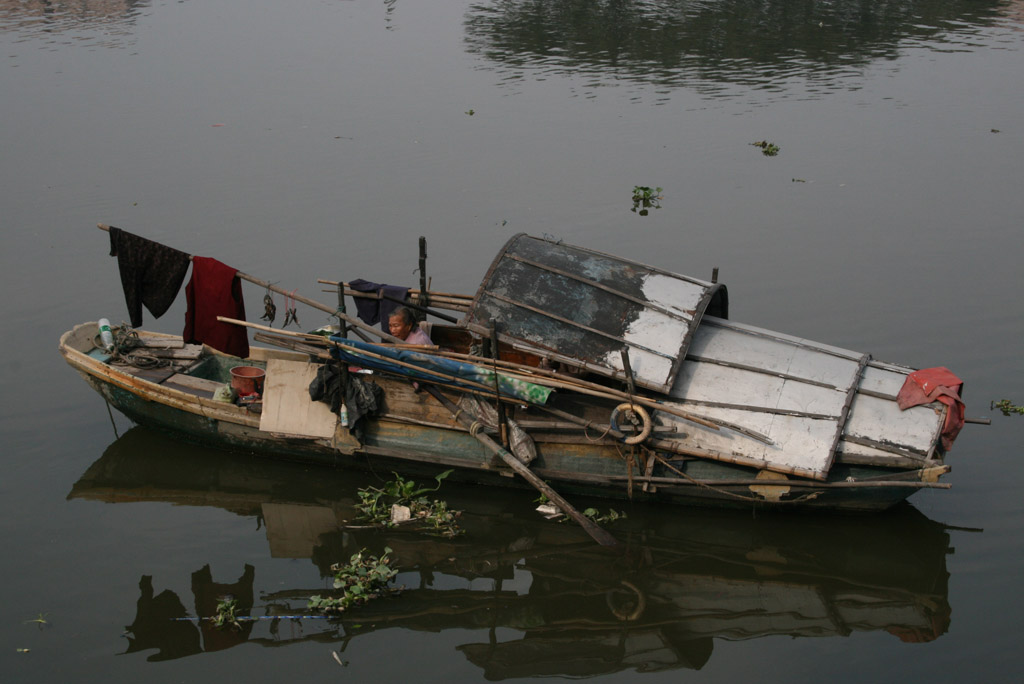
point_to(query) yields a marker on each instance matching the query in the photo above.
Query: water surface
(321, 139)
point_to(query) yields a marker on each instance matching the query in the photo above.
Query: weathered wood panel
(287, 408)
(795, 392)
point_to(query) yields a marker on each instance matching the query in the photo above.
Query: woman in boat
(402, 324)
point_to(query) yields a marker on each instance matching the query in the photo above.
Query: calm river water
(321, 138)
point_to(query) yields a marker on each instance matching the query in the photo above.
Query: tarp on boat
(433, 368)
(583, 308)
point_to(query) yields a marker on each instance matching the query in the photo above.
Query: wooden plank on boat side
(287, 408)
(192, 382)
(161, 342)
(189, 351)
(156, 375)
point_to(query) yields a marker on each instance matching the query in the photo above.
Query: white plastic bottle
(106, 336)
(343, 415)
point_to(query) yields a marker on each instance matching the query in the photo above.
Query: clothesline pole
(422, 299)
(431, 293)
(299, 298)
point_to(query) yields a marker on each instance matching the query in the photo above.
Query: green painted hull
(573, 469)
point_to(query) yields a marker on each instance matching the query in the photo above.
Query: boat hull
(418, 441)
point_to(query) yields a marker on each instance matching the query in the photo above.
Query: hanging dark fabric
(151, 273)
(334, 384)
(372, 311)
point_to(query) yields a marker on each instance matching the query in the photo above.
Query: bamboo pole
(488, 393)
(318, 340)
(320, 353)
(599, 535)
(267, 328)
(299, 298)
(802, 484)
(435, 302)
(560, 381)
(430, 293)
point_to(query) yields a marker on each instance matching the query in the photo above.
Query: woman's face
(398, 327)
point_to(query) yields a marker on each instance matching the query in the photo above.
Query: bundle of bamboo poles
(317, 345)
(449, 301)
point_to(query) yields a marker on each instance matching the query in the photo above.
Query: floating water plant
(611, 516)
(550, 511)
(365, 577)
(645, 197)
(767, 149)
(1007, 407)
(378, 505)
(226, 616)
(40, 620)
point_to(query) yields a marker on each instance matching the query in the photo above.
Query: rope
(476, 428)
(603, 435)
(126, 341)
(630, 464)
(111, 414)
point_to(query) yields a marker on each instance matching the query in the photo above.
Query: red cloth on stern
(936, 384)
(213, 291)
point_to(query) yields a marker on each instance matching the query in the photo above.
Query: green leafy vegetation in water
(594, 514)
(364, 578)
(40, 620)
(226, 616)
(1007, 407)
(767, 149)
(377, 503)
(644, 198)
(597, 516)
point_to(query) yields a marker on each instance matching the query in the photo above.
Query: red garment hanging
(214, 290)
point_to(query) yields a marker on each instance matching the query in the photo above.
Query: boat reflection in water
(686, 578)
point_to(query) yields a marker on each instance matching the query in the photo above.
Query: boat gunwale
(179, 400)
(149, 390)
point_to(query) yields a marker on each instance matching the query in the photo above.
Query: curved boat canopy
(584, 308)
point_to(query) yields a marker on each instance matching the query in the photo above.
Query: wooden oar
(299, 298)
(599, 535)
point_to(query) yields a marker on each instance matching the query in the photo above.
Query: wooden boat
(722, 413)
(683, 581)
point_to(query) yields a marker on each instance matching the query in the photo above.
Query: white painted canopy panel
(803, 397)
(880, 420)
(718, 340)
(713, 383)
(883, 380)
(799, 445)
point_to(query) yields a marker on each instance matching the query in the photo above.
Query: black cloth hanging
(151, 273)
(371, 311)
(333, 385)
